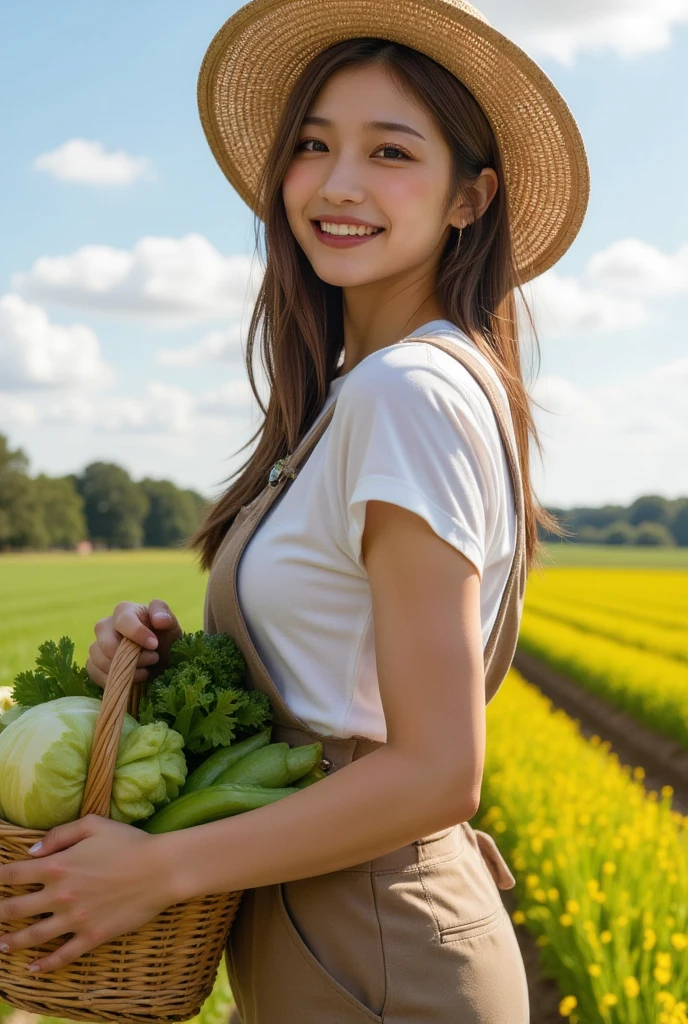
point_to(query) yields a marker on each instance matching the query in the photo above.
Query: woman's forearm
(370, 807)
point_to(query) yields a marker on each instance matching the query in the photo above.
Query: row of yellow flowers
(654, 597)
(601, 865)
(650, 687)
(666, 641)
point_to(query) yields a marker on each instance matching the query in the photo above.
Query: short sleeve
(408, 432)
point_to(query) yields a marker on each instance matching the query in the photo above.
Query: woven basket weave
(165, 970)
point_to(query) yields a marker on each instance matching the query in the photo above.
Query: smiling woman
(370, 561)
(379, 600)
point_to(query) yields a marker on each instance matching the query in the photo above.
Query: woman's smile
(342, 241)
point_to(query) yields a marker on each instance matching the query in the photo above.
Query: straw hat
(255, 58)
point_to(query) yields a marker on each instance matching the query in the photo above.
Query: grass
(613, 555)
(46, 596)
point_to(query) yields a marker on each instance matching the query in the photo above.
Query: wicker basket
(163, 971)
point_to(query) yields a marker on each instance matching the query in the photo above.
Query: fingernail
(163, 615)
(4, 948)
(152, 641)
(36, 847)
(34, 968)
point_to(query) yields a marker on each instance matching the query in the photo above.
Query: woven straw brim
(256, 57)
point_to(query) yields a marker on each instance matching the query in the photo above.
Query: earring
(456, 250)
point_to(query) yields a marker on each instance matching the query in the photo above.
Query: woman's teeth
(347, 229)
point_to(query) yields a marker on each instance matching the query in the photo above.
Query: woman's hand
(153, 626)
(101, 879)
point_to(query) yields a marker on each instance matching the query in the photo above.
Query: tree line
(102, 504)
(650, 521)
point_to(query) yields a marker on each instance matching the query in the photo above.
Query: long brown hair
(299, 316)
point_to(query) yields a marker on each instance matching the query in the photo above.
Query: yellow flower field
(601, 866)
(621, 634)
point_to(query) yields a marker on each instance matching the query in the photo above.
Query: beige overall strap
(501, 644)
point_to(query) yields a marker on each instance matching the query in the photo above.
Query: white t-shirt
(412, 427)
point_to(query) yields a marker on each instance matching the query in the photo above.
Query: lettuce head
(44, 757)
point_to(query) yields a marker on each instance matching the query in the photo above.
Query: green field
(610, 554)
(44, 597)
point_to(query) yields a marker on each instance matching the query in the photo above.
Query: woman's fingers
(132, 620)
(153, 627)
(99, 675)
(101, 660)
(161, 615)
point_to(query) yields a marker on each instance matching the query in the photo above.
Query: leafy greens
(56, 675)
(203, 693)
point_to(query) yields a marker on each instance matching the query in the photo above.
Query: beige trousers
(418, 936)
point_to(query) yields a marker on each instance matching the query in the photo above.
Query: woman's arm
(428, 643)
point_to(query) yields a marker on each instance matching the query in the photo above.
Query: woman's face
(392, 177)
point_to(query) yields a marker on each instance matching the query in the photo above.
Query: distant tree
(589, 535)
(618, 533)
(679, 523)
(651, 508)
(21, 520)
(581, 519)
(201, 504)
(114, 505)
(62, 508)
(597, 517)
(654, 535)
(172, 514)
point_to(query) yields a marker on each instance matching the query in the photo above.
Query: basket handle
(120, 695)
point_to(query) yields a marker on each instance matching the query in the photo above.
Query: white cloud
(221, 346)
(611, 294)
(613, 443)
(231, 398)
(564, 304)
(35, 353)
(647, 408)
(169, 282)
(561, 31)
(87, 162)
(16, 411)
(633, 267)
(161, 410)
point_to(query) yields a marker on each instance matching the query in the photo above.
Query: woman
(378, 603)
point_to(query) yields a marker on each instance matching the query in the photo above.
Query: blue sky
(100, 371)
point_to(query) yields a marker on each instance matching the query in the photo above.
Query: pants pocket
(284, 954)
(331, 920)
(460, 890)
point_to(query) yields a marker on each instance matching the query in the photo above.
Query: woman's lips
(342, 241)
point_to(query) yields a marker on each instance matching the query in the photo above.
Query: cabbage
(44, 756)
(9, 716)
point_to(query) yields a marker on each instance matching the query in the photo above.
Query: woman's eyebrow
(370, 126)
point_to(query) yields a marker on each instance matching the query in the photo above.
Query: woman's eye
(394, 149)
(301, 145)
